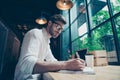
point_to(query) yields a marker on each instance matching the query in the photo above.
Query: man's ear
(49, 22)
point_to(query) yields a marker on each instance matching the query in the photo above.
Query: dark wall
(9, 52)
(55, 47)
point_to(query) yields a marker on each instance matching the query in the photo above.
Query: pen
(77, 55)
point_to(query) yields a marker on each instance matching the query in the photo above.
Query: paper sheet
(86, 70)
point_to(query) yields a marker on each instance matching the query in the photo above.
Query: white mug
(89, 58)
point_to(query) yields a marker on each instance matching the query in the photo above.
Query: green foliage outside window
(94, 42)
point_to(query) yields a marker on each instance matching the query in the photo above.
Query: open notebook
(86, 70)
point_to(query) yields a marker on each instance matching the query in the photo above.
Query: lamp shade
(41, 20)
(81, 8)
(64, 4)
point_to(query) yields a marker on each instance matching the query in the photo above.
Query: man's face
(55, 29)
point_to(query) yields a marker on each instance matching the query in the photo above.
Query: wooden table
(102, 73)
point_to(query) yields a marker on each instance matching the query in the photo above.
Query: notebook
(86, 70)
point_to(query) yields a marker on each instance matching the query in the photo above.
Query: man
(35, 49)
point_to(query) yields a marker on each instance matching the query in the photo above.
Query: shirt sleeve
(29, 52)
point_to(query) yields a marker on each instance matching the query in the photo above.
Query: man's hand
(72, 64)
(75, 64)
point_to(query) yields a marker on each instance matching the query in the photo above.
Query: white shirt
(35, 47)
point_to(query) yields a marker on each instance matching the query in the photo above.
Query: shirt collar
(46, 35)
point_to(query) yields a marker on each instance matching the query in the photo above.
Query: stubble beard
(51, 32)
(53, 35)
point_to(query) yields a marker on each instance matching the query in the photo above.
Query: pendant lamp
(64, 4)
(41, 20)
(82, 8)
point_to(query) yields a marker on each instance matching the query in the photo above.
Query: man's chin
(55, 36)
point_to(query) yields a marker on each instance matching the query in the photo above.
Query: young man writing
(35, 49)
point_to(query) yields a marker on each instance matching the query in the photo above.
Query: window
(117, 22)
(82, 29)
(95, 28)
(102, 38)
(74, 32)
(115, 6)
(99, 13)
(73, 13)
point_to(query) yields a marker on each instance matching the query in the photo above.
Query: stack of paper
(86, 70)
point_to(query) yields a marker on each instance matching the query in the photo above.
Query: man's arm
(73, 64)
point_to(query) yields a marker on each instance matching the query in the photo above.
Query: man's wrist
(63, 65)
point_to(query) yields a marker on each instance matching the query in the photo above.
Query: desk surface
(102, 73)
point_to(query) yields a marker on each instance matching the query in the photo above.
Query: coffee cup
(89, 58)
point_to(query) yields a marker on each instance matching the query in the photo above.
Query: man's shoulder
(34, 32)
